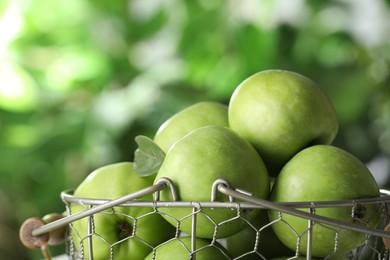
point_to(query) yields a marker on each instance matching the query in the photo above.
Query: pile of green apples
(272, 141)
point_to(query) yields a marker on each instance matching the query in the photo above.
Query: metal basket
(373, 246)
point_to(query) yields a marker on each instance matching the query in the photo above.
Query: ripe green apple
(197, 115)
(115, 230)
(57, 236)
(196, 161)
(324, 173)
(280, 113)
(268, 244)
(178, 249)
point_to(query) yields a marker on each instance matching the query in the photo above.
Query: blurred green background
(80, 79)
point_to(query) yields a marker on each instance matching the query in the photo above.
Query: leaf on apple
(148, 157)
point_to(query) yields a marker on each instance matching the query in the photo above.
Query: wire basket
(80, 245)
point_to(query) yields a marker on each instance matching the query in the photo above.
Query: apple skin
(57, 236)
(197, 115)
(198, 159)
(280, 113)
(324, 173)
(176, 249)
(269, 245)
(111, 182)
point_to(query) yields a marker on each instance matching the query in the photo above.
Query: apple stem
(45, 251)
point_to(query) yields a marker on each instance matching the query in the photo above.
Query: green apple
(114, 231)
(196, 161)
(280, 113)
(57, 236)
(324, 173)
(197, 115)
(180, 248)
(268, 244)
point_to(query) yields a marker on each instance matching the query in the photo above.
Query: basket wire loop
(214, 189)
(167, 183)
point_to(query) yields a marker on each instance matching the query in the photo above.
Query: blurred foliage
(81, 79)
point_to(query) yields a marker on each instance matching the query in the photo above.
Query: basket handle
(36, 232)
(298, 213)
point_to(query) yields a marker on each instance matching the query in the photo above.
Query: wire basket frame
(372, 247)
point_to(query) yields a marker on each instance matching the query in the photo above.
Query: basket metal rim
(68, 197)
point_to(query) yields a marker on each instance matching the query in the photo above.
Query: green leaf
(148, 157)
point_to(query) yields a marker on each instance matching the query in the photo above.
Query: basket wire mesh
(239, 200)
